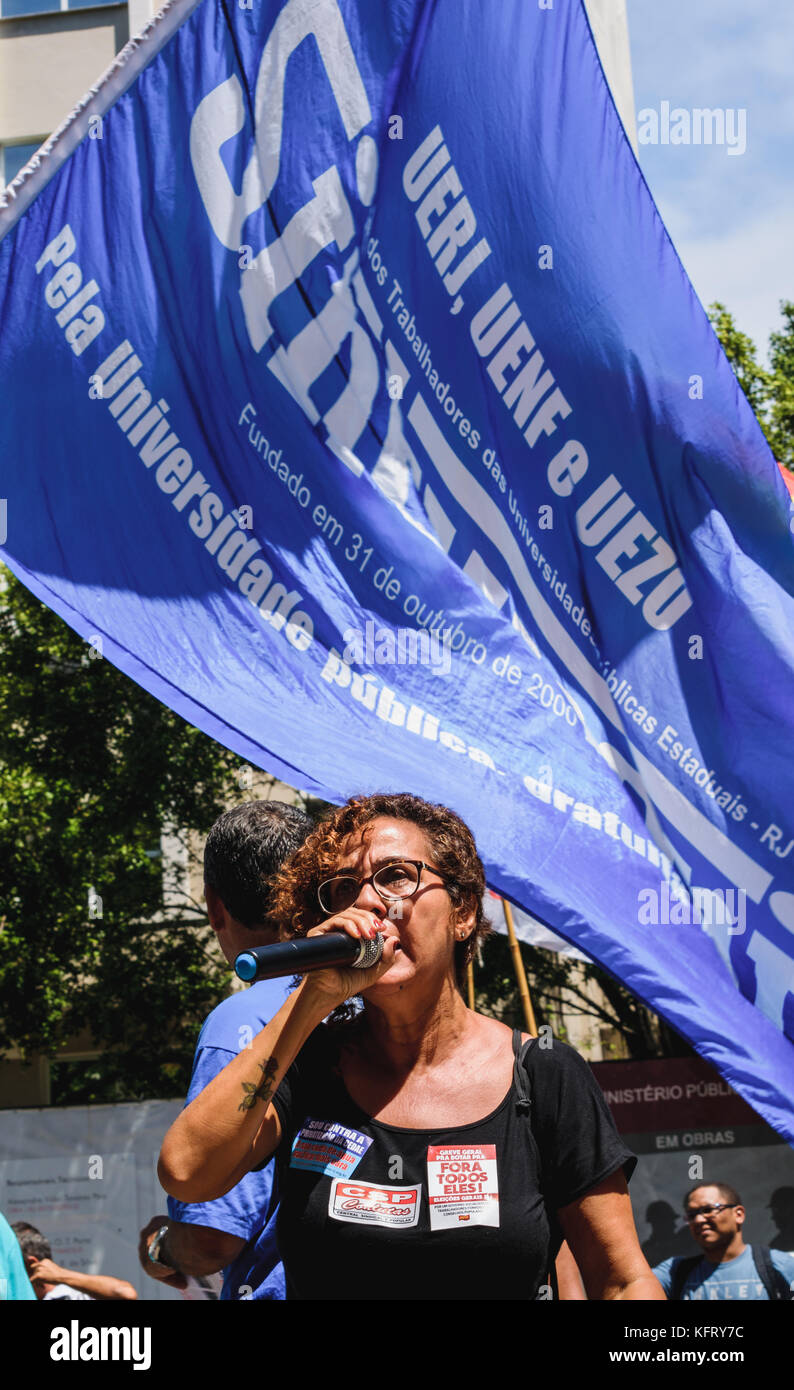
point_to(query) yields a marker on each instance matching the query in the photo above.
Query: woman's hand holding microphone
(335, 985)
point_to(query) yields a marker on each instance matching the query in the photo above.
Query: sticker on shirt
(325, 1147)
(462, 1186)
(374, 1204)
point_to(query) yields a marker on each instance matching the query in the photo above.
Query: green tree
(781, 406)
(742, 354)
(91, 770)
(770, 391)
(562, 987)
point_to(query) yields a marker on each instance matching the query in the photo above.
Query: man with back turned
(236, 1232)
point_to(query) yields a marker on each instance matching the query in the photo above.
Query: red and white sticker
(373, 1203)
(462, 1187)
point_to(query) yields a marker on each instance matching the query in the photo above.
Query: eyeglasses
(708, 1211)
(400, 878)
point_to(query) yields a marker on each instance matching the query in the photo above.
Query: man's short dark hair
(727, 1193)
(31, 1240)
(245, 848)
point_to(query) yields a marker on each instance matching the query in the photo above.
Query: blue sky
(731, 217)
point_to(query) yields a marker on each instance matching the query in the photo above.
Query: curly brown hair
(295, 904)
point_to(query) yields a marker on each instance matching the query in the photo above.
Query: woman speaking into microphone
(423, 1150)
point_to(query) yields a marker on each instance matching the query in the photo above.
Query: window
(13, 9)
(15, 157)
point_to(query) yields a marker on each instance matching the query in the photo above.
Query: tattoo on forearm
(265, 1088)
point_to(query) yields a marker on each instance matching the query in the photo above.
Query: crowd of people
(361, 1133)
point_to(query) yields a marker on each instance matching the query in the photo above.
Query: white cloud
(747, 267)
(731, 219)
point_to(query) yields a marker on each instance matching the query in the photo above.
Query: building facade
(51, 53)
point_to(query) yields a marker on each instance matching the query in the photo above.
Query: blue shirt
(249, 1209)
(14, 1282)
(735, 1279)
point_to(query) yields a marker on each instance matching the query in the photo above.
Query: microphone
(305, 953)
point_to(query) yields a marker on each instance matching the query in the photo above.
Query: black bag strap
(775, 1283)
(523, 1103)
(520, 1076)
(680, 1273)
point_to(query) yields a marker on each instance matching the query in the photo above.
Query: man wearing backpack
(727, 1269)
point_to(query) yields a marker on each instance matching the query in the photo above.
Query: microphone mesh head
(370, 953)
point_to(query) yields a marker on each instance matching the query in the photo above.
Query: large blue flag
(357, 405)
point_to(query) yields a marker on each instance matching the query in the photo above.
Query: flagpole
(521, 974)
(470, 984)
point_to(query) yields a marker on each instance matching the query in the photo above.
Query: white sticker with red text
(374, 1203)
(462, 1186)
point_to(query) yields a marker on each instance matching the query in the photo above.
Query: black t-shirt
(372, 1211)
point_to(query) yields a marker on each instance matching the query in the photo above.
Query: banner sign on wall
(356, 404)
(690, 1127)
(86, 1177)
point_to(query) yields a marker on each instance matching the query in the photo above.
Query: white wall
(140, 12)
(50, 1166)
(610, 26)
(48, 62)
